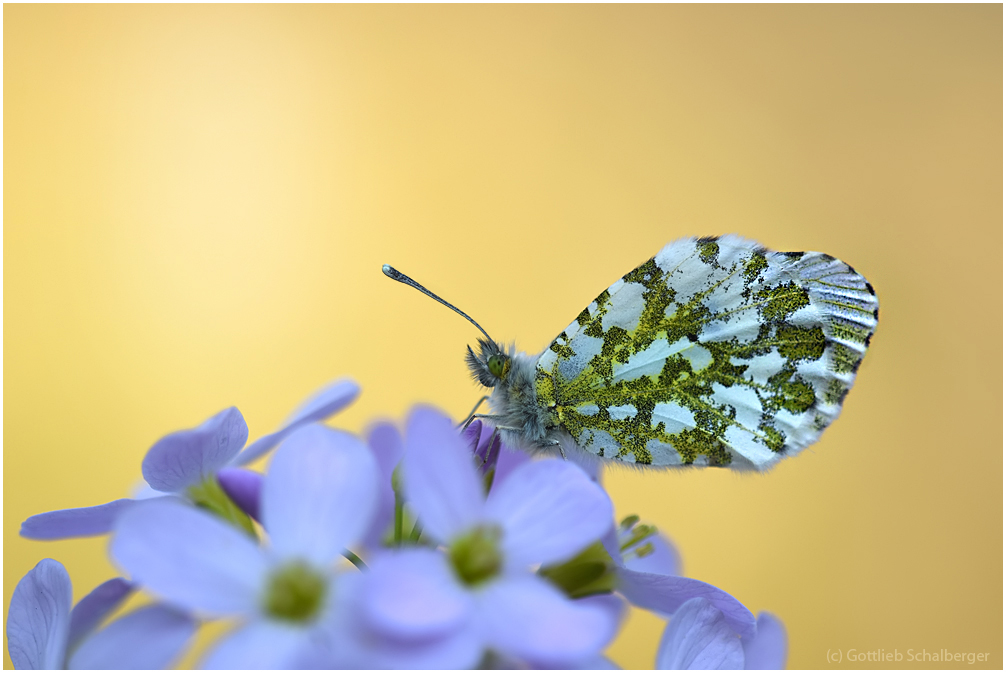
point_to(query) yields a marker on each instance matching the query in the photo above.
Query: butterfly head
(490, 365)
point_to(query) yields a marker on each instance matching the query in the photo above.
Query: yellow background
(198, 200)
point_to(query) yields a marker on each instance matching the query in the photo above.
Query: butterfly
(715, 352)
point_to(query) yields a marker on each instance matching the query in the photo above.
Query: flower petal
(598, 663)
(663, 560)
(698, 637)
(260, 645)
(385, 443)
(459, 649)
(319, 495)
(189, 557)
(148, 638)
(767, 650)
(188, 457)
(77, 522)
(94, 607)
(38, 619)
(550, 510)
(485, 445)
(440, 480)
(322, 404)
(356, 645)
(667, 593)
(476, 439)
(412, 595)
(524, 616)
(616, 606)
(244, 487)
(509, 460)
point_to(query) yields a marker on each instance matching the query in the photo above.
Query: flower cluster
(430, 547)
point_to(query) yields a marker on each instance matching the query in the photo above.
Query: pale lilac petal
(322, 404)
(189, 558)
(527, 617)
(144, 491)
(665, 594)
(61, 524)
(616, 606)
(611, 545)
(385, 443)
(698, 637)
(440, 480)
(484, 444)
(244, 487)
(663, 560)
(149, 638)
(260, 645)
(186, 458)
(94, 607)
(767, 650)
(550, 510)
(319, 495)
(364, 648)
(38, 619)
(412, 595)
(473, 436)
(597, 663)
(457, 650)
(509, 460)
(353, 644)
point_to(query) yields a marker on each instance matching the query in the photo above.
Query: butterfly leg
(549, 443)
(489, 451)
(471, 414)
(474, 416)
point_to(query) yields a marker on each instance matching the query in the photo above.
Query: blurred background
(198, 201)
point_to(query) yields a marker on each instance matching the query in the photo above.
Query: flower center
(476, 555)
(295, 592)
(631, 536)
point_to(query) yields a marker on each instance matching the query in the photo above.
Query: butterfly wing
(714, 352)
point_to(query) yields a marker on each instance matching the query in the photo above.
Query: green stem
(399, 516)
(416, 533)
(354, 559)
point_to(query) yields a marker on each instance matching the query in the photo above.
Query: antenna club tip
(386, 268)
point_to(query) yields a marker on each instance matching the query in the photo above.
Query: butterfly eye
(497, 365)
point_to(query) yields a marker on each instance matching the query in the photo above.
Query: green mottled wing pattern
(715, 352)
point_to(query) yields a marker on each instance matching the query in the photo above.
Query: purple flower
(768, 648)
(385, 443)
(478, 592)
(645, 549)
(708, 628)
(185, 463)
(44, 633)
(654, 588)
(317, 498)
(492, 454)
(700, 637)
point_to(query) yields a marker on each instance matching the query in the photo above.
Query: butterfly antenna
(394, 274)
